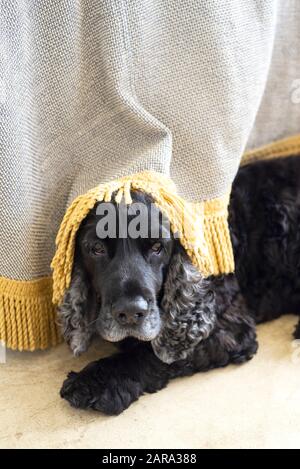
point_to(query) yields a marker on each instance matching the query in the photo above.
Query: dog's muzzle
(135, 317)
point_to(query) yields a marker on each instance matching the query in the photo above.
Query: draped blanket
(160, 95)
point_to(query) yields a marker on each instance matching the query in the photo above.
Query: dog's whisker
(92, 322)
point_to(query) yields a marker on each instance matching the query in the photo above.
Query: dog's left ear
(77, 313)
(188, 310)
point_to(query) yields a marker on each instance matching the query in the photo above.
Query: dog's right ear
(77, 313)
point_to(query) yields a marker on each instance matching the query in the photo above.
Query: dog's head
(132, 278)
(126, 274)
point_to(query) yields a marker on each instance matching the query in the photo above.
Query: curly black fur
(207, 323)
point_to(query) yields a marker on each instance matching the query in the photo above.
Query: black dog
(182, 323)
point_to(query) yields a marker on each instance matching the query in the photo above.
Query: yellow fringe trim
(27, 315)
(202, 227)
(279, 149)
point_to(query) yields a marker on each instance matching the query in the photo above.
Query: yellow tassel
(201, 227)
(279, 149)
(27, 315)
(127, 194)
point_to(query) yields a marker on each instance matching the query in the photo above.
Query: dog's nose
(130, 312)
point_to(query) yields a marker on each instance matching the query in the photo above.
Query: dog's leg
(233, 339)
(111, 384)
(225, 347)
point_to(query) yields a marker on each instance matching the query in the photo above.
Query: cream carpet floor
(256, 405)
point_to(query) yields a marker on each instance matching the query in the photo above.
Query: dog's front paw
(95, 389)
(76, 391)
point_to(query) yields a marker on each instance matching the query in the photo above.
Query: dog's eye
(156, 247)
(98, 249)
